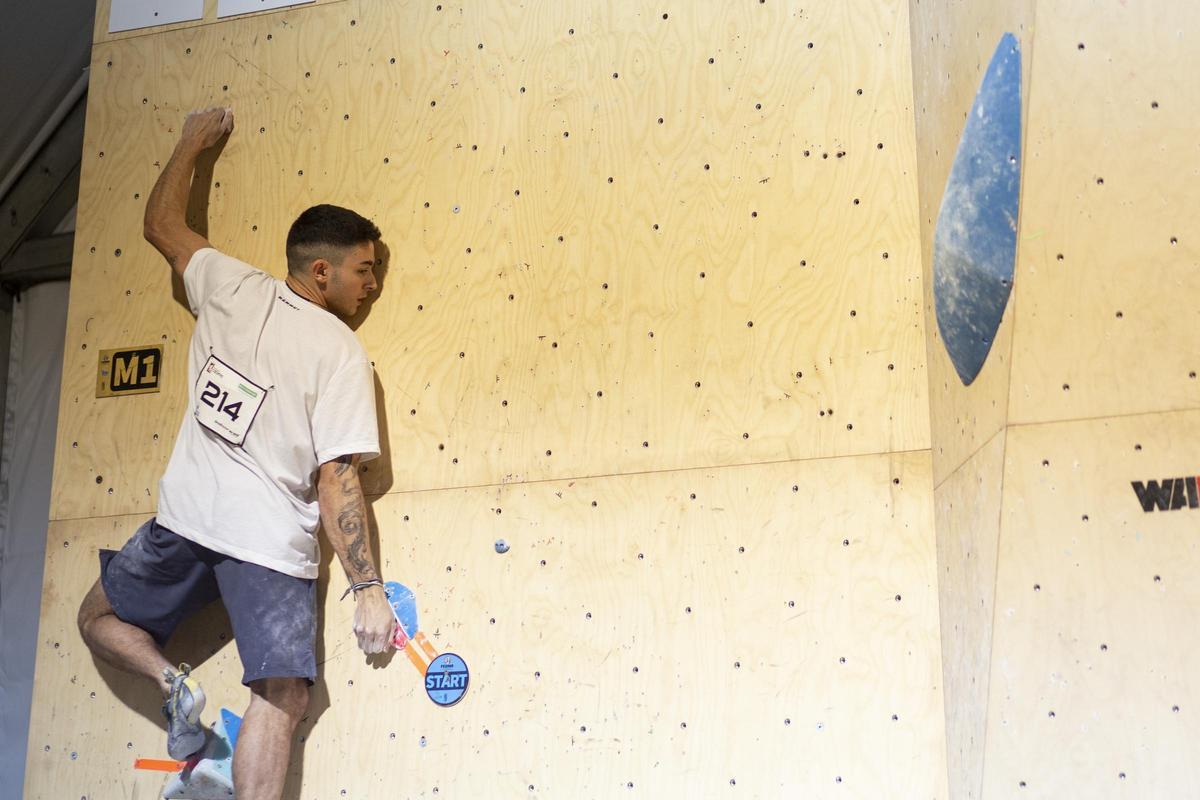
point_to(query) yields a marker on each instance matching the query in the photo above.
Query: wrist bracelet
(354, 587)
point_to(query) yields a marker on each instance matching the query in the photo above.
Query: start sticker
(446, 679)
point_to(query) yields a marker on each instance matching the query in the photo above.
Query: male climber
(281, 408)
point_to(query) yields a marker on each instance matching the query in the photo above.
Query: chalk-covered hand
(374, 622)
(203, 129)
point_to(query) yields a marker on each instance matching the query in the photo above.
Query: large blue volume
(975, 244)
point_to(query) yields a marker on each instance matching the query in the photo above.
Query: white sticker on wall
(127, 15)
(230, 8)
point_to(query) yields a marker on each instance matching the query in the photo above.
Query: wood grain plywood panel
(1094, 650)
(967, 518)
(952, 44)
(795, 309)
(1107, 287)
(111, 451)
(685, 632)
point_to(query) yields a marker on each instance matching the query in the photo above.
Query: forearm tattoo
(352, 522)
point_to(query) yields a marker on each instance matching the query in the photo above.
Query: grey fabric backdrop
(26, 463)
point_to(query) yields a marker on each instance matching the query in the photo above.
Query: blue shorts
(159, 578)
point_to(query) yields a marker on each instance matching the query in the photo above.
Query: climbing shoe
(182, 709)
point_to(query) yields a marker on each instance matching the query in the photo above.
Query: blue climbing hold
(975, 243)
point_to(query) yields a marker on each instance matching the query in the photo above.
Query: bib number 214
(213, 397)
(227, 402)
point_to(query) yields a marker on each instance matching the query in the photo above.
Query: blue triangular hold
(210, 777)
(404, 606)
(233, 725)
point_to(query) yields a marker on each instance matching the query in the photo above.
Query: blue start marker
(446, 679)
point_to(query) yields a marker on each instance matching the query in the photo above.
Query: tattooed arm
(344, 517)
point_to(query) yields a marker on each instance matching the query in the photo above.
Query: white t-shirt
(279, 386)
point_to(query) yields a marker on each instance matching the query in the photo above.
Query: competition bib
(227, 401)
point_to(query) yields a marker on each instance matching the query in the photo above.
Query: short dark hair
(326, 232)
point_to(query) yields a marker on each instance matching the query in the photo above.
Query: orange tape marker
(426, 646)
(159, 764)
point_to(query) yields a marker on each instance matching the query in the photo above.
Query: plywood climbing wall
(1063, 499)
(651, 312)
(967, 510)
(951, 46)
(683, 634)
(574, 287)
(1094, 652)
(1107, 269)
(1081, 564)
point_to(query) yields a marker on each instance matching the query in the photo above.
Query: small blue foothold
(501, 546)
(233, 726)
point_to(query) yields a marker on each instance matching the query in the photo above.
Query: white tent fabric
(26, 462)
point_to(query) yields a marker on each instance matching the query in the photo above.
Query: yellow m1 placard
(129, 370)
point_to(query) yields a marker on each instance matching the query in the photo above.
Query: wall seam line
(602, 476)
(1006, 427)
